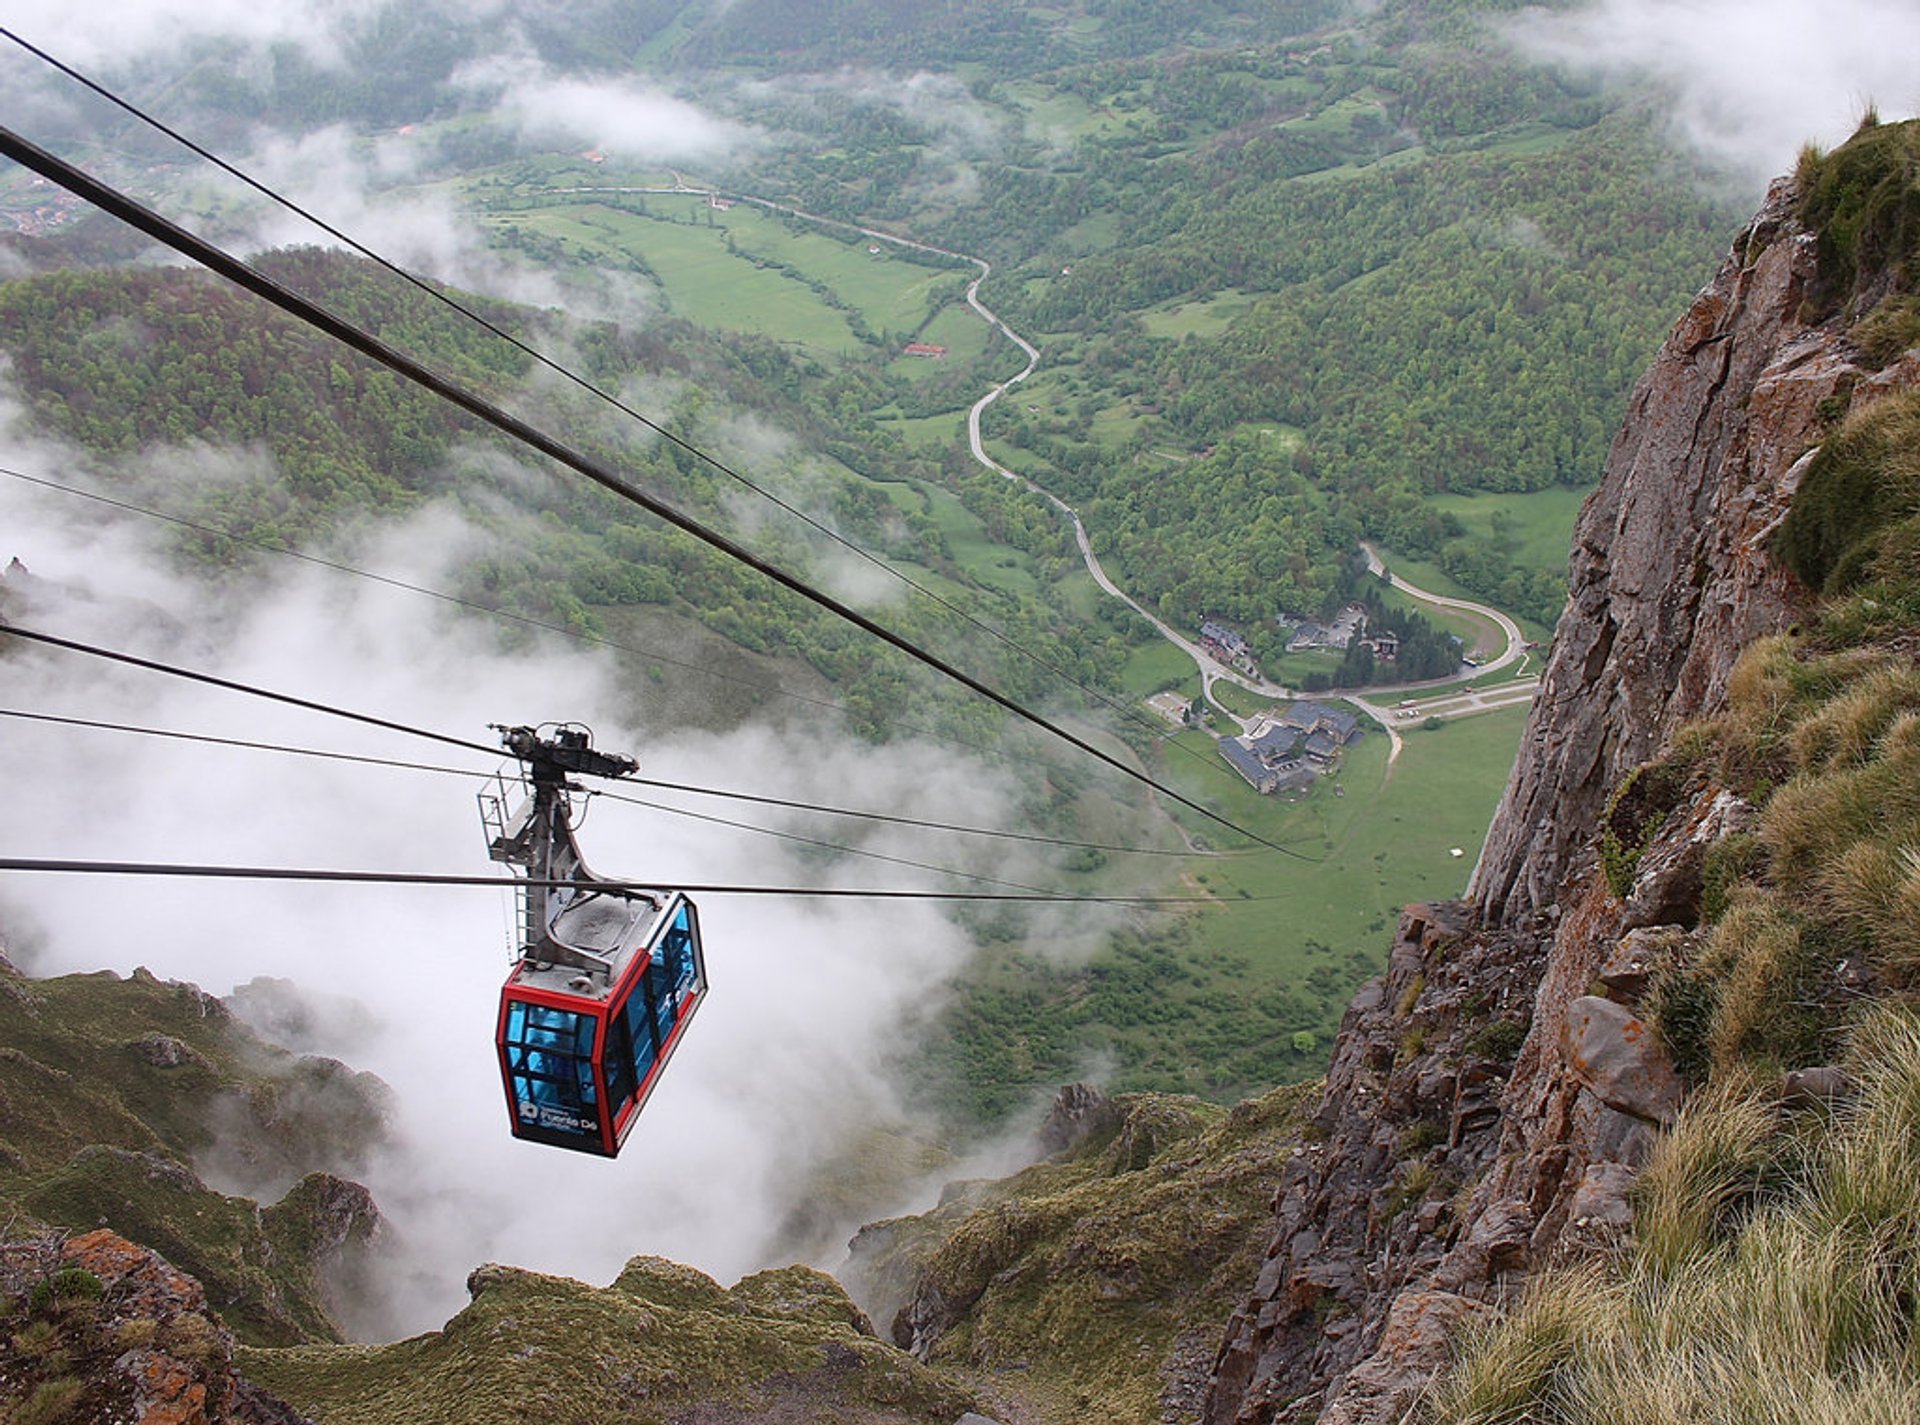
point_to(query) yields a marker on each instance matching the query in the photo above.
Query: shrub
(1500, 1040)
(1756, 957)
(66, 1285)
(51, 1401)
(1681, 1004)
(1890, 329)
(1727, 862)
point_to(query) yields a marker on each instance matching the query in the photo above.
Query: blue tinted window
(549, 1054)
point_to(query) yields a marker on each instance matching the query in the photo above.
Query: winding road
(1211, 670)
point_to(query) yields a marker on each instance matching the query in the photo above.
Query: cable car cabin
(608, 973)
(579, 1051)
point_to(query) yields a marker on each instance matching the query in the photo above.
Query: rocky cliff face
(1449, 1166)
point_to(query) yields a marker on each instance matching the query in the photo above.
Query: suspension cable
(560, 369)
(56, 866)
(689, 788)
(144, 219)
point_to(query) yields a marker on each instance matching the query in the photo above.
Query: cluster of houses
(1337, 635)
(1226, 646)
(1291, 750)
(36, 217)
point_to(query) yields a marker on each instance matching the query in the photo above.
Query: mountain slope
(118, 1098)
(1695, 878)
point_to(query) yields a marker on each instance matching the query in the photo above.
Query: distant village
(1290, 749)
(1293, 748)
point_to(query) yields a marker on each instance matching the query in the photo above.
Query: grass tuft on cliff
(1863, 203)
(1773, 1277)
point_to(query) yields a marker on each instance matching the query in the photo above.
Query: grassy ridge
(661, 1343)
(111, 1091)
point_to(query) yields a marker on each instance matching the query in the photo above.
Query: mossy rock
(1082, 1285)
(664, 1343)
(667, 1283)
(801, 1294)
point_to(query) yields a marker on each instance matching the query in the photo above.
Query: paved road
(1516, 641)
(1211, 670)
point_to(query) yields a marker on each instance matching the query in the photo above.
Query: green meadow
(1206, 318)
(745, 269)
(1362, 855)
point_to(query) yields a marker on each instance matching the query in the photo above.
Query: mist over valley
(1337, 310)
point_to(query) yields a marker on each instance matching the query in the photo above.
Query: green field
(982, 559)
(1479, 637)
(746, 269)
(1541, 528)
(959, 329)
(702, 281)
(1202, 319)
(948, 428)
(1157, 665)
(1238, 700)
(1253, 985)
(1388, 841)
(1057, 117)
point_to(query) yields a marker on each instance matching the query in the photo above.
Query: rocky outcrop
(145, 1106)
(100, 1329)
(1367, 1203)
(1088, 1286)
(1529, 1160)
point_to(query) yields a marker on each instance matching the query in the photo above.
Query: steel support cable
(559, 369)
(160, 229)
(56, 866)
(194, 676)
(687, 812)
(687, 787)
(827, 845)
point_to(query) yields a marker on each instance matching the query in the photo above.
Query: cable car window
(677, 948)
(549, 1055)
(645, 1044)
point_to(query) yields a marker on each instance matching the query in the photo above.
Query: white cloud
(1752, 80)
(91, 36)
(784, 1065)
(619, 117)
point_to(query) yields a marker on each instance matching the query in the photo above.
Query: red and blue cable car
(608, 974)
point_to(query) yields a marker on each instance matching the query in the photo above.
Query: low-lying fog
(809, 997)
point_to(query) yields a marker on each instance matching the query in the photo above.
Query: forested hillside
(1295, 273)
